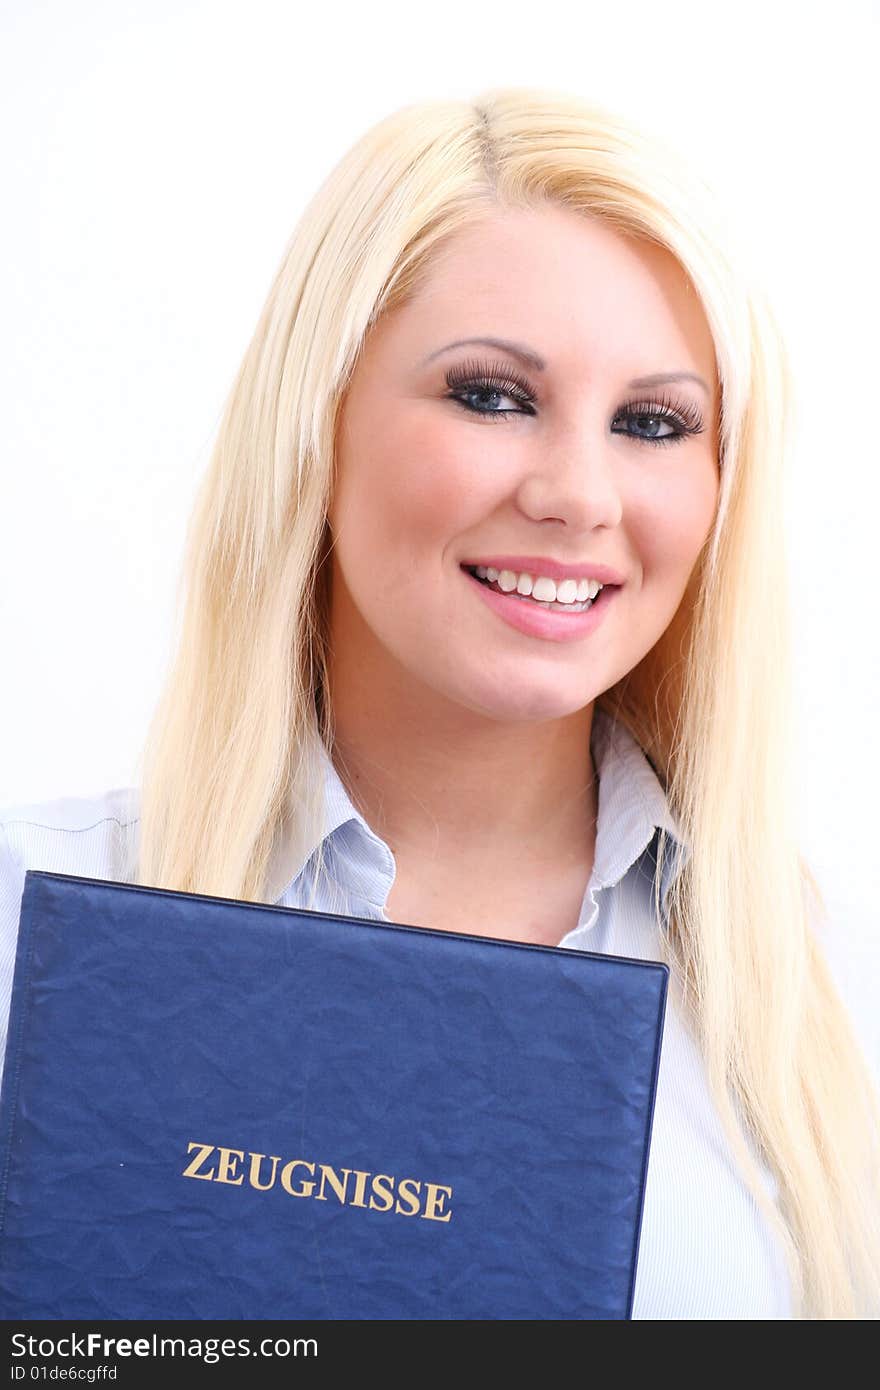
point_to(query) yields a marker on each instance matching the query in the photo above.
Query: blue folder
(217, 1109)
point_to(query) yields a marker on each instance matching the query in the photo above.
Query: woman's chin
(517, 701)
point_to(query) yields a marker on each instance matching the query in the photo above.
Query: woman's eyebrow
(526, 355)
(532, 359)
(657, 377)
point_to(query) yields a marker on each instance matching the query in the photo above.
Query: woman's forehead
(574, 289)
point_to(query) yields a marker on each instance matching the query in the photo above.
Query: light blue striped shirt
(706, 1249)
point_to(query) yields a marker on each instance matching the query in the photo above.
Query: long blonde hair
(227, 765)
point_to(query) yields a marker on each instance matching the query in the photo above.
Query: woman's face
(453, 456)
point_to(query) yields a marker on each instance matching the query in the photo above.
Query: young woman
(486, 629)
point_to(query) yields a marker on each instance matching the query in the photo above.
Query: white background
(156, 157)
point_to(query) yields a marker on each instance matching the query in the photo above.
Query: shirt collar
(290, 856)
(631, 807)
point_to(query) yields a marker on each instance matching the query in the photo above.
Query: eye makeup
(474, 378)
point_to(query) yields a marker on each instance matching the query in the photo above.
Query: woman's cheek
(439, 489)
(668, 521)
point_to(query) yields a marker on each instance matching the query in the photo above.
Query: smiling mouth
(553, 606)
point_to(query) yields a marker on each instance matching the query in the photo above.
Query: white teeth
(544, 589)
(540, 588)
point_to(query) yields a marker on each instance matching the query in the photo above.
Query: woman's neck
(466, 788)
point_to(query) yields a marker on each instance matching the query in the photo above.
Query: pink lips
(535, 621)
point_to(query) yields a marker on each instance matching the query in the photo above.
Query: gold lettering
(235, 1166)
(307, 1188)
(403, 1189)
(226, 1169)
(358, 1198)
(380, 1190)
(433, 1203)
(340, 1188)
(203, 1151)
(254, 1175)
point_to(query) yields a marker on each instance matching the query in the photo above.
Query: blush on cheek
(431, 501)
(668, 528)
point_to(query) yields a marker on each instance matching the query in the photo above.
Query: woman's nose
(574, 481)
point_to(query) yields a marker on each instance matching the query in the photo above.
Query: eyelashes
(499, 379)
(471, 377)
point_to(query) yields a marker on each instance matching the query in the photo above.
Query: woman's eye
(485, 397)
(481, 388)
(655, 426)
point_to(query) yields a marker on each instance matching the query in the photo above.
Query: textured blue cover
(144, 1021)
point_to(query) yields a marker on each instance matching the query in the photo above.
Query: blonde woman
(485, 629)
